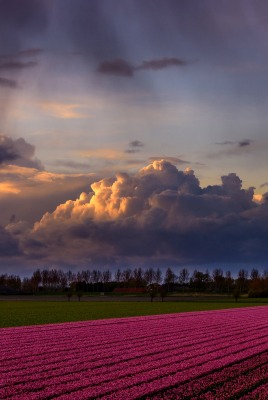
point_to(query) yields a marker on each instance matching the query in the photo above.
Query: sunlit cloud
(65, 111)
(8, 188)
(159, 213)
(258, 198)
(173, 160)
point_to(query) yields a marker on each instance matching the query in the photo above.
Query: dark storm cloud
(159, 213)
(104, 31)
(7, 152)
(9, 246)
(18, 152)
(16, 65)
(8, 83)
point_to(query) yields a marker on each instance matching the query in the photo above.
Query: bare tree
(170, 278)
(138, 277)
(218, 279)
(184, 277)
(254, 274)
(36, 279)
(149, 276)
(118, 275)
(126, 276)
(106, 278)
(242, 279)
(158, 276)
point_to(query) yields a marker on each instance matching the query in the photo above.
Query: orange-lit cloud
(258, 198)
(8, 188)
(157, 214)
(65, 110)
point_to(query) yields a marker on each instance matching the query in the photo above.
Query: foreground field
(196, 355)
(34, 312)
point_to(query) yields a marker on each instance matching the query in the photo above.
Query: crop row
(191, 355)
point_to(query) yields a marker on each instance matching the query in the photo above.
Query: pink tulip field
(197, 355)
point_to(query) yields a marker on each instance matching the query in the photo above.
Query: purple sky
(133, 133)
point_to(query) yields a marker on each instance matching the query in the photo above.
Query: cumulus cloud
(172, 160)
(21, 187)
(158, 214)
(18, 152)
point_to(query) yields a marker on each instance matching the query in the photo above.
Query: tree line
(49, 280)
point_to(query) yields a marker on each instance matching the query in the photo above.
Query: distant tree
(126, 276)
(236, 294)
(79, 278)
(45, 278)
(86, 274)
(62, 279)
(254, 274)
(242, 280)
(71, 278)
(36, 279)
(170, 279)
(265, 274)
(27, 286)
(138, 277)
(152, 292)
(149, 276)
(118, 275)
(106, 278)
(96, 278)
(218, 279)
(228, 280)
(53, 279)
(79, 295)
(183, 277)
(163, 292)
(158, 276)
(200, 281)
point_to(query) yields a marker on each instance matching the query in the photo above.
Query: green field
(21, 313)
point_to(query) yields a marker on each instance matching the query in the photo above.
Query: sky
(133, 133)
